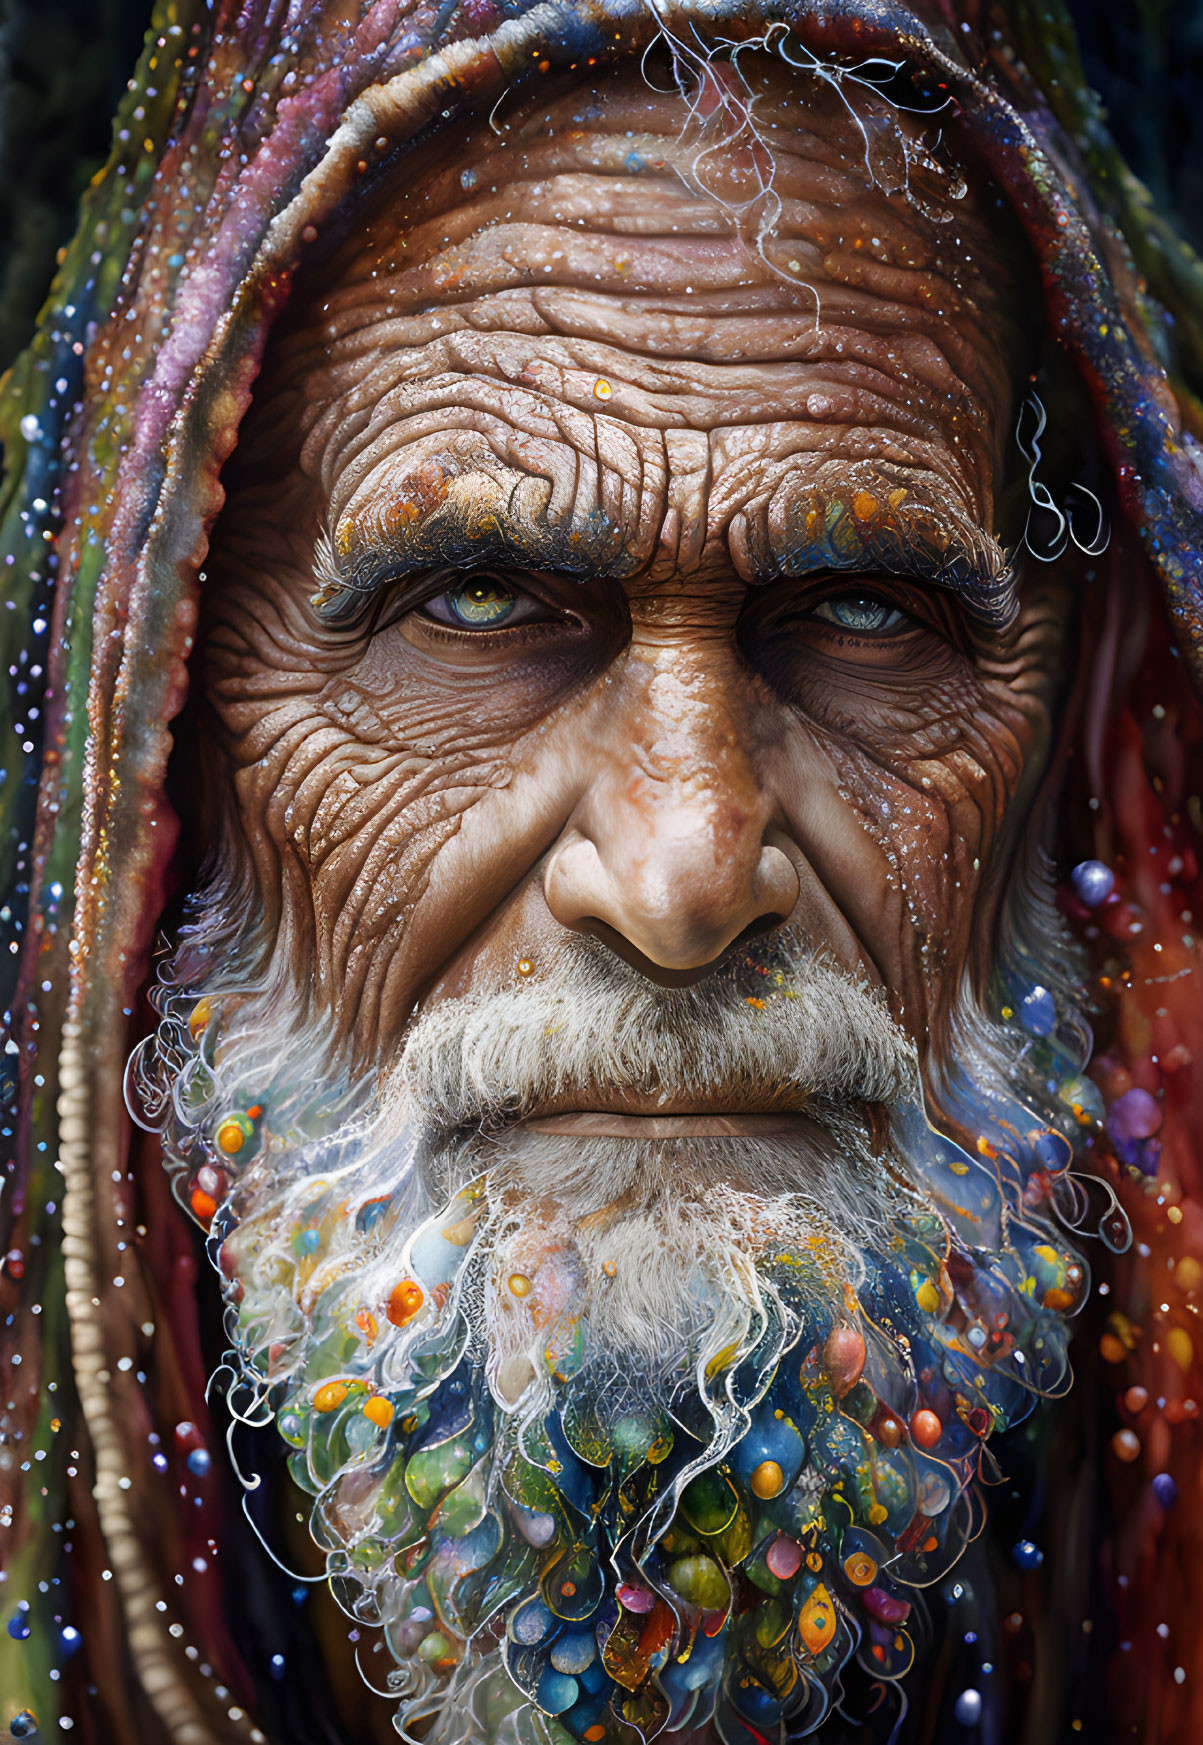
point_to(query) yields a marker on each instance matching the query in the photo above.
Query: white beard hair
(600, 1026)
(663, 1227)
(682, 1221)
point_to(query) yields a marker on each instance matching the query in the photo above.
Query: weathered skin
(555, 356)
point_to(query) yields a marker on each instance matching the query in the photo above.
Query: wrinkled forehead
(542, 329)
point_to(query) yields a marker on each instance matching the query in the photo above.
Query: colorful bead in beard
(659, 1552)
(568, 1537)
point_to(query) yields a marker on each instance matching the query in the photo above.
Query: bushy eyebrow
(831, 535)
(350, 578)
(955, 555)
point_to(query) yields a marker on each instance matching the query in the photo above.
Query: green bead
(434, 1647)
(701, 1582)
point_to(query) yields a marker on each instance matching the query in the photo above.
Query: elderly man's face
(626, 720)
(620, 570)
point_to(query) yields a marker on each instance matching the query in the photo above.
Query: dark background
(64, 64)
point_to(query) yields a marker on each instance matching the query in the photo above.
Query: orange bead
(817, 1620)
(230, 1137)
(203, 1205)
(330, 1396)
(767, 1481)
(406, 1299)
(198, 1018)
(844, 1358)
(926, 1429)
(1126, 1444)
(379, 1411)
(860, 1569)
(888, 1430)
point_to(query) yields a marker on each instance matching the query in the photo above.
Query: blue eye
(860, 612)
(481, 604)
(484, 600)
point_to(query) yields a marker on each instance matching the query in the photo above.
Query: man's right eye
(483, 602)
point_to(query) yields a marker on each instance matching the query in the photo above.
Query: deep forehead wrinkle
(558, 369)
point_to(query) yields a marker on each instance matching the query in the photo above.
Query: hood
(247, 130)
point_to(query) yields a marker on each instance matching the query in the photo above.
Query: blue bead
(1038, 1014)
(199, 1462)
(310, 1240)
(968, 1710)
(769, 1438)
(1165, 1490)
(370, 1214)
(277, 1666)
(1027, 1555)
(530, 1622)
(18, 1626)
(1093, 882)
(24, 1725)
(1053, 1150)
(556, 1692)
(594, 1679)
(574, 1651)
(756, 1704)
(70, 1638)
(583, 1715)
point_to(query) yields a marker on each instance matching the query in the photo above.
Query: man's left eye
(479, 603)
(862, 613)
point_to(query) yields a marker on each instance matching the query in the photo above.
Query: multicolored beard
(571, 1525)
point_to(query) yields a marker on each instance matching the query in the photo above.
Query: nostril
(664, 975)
(754, 930)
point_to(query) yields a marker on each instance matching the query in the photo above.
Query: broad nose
(672, 853)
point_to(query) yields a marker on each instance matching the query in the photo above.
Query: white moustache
(591, 1027)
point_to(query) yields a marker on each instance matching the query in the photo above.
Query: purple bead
(884, 1607)
(1093, 882)
(1165, 1490)
(1135, 1115)
(968, 1710)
